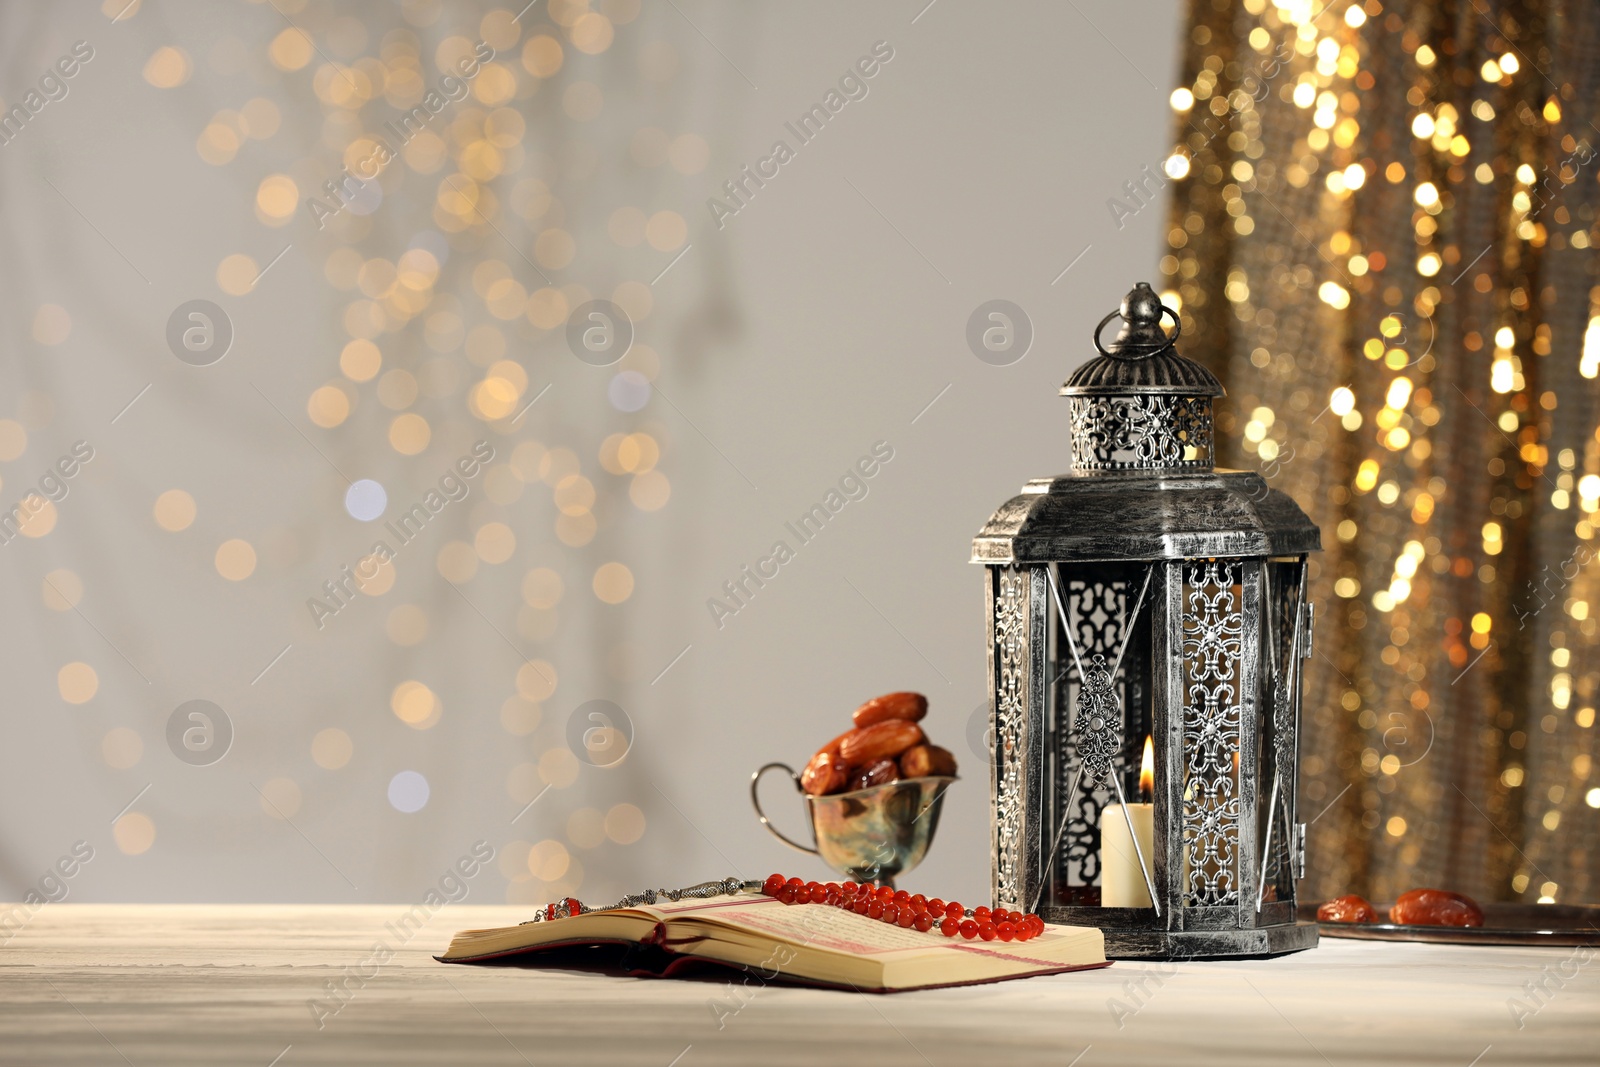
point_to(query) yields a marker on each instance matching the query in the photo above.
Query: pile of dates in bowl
(885, 745)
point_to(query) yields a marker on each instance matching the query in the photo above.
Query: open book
(810, 943)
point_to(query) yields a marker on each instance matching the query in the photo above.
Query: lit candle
(1121, 878)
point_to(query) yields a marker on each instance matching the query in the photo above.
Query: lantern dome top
(1142, 484)
(1143, 359)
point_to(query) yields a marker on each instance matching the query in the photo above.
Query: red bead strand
(903, 909)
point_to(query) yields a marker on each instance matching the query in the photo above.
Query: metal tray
(1550, 925)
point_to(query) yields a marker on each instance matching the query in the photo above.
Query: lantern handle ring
(1177, 332)
(755, 801)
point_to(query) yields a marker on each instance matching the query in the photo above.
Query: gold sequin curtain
(1381, 237)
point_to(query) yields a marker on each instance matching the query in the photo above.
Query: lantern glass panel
(1099, 599)
(1284, 648)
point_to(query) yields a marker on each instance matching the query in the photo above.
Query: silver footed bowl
(868, 835)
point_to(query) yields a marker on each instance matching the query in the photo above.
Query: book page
(632, 924)
(819, 926)
(828, 929)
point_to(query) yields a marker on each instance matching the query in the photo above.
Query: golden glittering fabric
(1382, 238)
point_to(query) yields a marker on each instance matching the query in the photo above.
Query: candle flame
(1147, 769)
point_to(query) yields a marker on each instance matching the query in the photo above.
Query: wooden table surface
(178, 984)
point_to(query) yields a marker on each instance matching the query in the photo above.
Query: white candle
(1121, 878)
(1122, 883)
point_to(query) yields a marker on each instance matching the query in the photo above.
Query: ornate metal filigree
(1283, 730)
(1099, 721)
(1081, 850)
(1213, 629)
(1097, 616)
(1141, 432)
(1011, 658)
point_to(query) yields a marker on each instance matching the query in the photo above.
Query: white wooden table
(174, 984)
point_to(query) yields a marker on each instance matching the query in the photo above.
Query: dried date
(921, 761)
(878, 772)
(908, 706)
(832, 747)
(1347, 909)
(1435, 907)
(823, 775)
(884, 740)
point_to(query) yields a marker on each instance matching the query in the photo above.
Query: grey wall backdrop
(772, 352)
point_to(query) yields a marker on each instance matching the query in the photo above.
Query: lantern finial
(1141, 325)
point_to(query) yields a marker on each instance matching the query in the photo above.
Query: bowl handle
(755, 801)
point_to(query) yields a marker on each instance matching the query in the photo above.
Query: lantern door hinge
(1309, 621)
(1299, 850)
